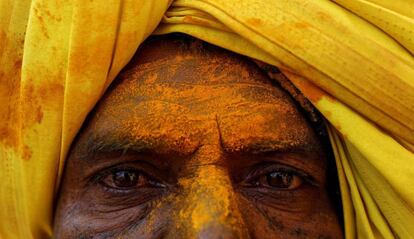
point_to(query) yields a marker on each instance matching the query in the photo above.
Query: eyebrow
(101, 144)
(265, 146)
(95, 146)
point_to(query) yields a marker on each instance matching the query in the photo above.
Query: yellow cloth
(353, 59)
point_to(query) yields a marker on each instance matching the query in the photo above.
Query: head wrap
(353, 59)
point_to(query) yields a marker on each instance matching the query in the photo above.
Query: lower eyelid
(114, 199)
(114, 194)
(282, 199)
(113, 190)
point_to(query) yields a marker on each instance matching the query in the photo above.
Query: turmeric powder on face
(193, 141)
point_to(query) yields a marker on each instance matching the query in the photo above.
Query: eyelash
(100, 176)
(130, 196)
(249, 181)
(266, 169)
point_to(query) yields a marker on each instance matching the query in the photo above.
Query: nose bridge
(209, 207)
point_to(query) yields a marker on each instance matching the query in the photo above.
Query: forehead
(186, 97)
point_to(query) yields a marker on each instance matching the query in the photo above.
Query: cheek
(317, 220)
(86, 219)
(99, 214)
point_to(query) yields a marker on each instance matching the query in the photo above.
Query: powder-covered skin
(218, 151)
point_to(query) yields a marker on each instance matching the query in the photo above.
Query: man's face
(195, 145)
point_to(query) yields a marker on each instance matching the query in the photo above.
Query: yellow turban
(353, 59)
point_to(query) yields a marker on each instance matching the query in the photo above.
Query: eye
(125, 179)
(278, 179)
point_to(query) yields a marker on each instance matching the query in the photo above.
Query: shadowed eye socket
(128, 178)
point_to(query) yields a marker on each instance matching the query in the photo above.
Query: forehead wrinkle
(197, 111)
(194, 96)
(190, 115)
(284, 138)
(264, 86)
(183, 69)
(150, 101)
(258, 144)
(161, 90)
(178, 89)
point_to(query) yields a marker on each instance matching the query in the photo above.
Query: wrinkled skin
(195, 144)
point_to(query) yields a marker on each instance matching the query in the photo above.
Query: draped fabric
(353, 59)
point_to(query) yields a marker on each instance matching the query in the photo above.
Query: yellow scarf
(353, 59)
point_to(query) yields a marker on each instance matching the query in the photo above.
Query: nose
(209, 207)
(217, 231)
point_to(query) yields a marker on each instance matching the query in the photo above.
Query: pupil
(125, 178)
(279, 179)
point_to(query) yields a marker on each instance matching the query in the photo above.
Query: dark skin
(195, 143)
